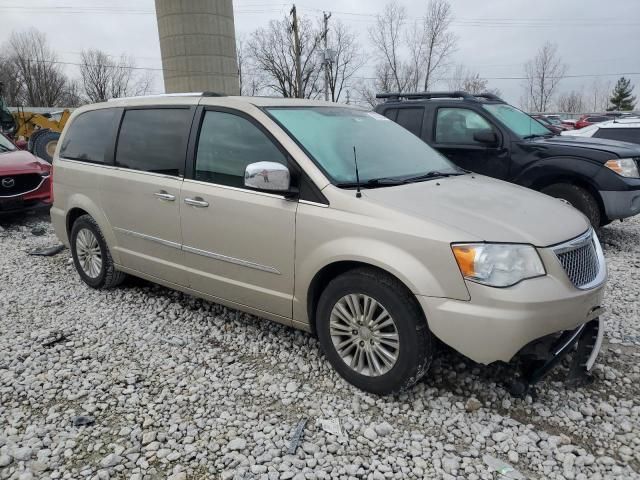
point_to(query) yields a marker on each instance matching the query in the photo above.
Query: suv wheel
(578, 198)
(373, 332)
(91, 255)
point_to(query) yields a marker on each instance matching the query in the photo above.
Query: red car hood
(15, 163)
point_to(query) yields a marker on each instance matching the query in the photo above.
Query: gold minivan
(331, 219)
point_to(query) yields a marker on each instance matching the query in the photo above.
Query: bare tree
(36, 69)
(272, 50)
(72, 96)
(347, 60)
(543, 74)
(467, 81)
(104, 78)
(13, 89)
(571, 102)
(386, 36)
(251, 79)
(439, 42)
(598, 99)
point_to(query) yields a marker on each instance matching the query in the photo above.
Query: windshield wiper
(373, 183)
(431, 174)
(538, 135)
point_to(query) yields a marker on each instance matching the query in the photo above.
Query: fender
(555, 169)
(408, 268)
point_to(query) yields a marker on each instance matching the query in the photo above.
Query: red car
(25, 180)
(586, 120)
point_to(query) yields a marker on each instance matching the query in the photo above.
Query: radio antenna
(355, 161)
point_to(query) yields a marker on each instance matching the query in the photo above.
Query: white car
(623, 129)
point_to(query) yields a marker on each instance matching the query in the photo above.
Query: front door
(454, 138)
(238, 243)
(141, 196)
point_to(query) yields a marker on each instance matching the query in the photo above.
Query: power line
(158, 69)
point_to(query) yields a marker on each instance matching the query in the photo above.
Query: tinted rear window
(89, 136)
(154, 140)
(411, 119)
(623, 134)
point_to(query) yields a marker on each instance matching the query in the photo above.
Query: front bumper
(621, 204)
(37, 199)
(498, 322)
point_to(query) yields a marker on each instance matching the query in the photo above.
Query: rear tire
(44, 146)
(91, 255)
(578, 198)
(401, 331)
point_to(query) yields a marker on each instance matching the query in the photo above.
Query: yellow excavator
(39, 132)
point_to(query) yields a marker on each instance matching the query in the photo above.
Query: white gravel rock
(181, 388)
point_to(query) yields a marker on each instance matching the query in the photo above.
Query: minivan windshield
(6, 145)
(387, 154)
(519, 122)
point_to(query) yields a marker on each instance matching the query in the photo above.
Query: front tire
(91, 255)
(578, 198)
(373, 331)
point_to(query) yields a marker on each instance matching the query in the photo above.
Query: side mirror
(488, 137)
(267, 176)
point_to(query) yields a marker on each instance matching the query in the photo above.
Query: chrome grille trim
(582, 260)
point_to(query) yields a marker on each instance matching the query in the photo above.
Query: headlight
(627, 167)
(497, 264)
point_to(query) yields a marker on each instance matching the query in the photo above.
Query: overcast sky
(496, 37)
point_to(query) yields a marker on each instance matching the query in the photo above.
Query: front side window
(154, 140)
(517, 121)
(227, 144)
(384, 149)
(89, 136)
(458, 126)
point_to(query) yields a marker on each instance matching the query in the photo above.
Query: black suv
(484, 134)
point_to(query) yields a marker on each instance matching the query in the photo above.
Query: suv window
(89, 136)
(154, 140)
(391, 113)
(457, 125)
(622, 134)
(411, 119)
(227, 144)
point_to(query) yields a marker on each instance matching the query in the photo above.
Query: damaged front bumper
(539, 357)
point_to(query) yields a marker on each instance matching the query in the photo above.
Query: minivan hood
(615, 147)
(488, 209)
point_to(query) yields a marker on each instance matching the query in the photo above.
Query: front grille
(11, 185)
(580, 261)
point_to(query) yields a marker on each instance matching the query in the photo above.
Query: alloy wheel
(364, 334)
(89, 253)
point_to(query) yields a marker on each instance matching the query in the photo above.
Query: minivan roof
(208, 98)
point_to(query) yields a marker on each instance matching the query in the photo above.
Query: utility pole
(298, 53)
(325, 34)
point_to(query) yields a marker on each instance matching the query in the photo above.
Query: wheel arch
(78, 205)
(332, 270)
(572, 179)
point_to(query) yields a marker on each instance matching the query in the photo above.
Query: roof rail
(428, 95)
(165, 95)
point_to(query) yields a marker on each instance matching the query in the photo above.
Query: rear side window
(411, 119)
(391, 113)
(154, 140)
(227, 144)
(89, 136)
(622, 134)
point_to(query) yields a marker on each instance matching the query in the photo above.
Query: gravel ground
(175, 387)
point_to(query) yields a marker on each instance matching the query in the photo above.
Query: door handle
(167, 197)
(196, 202)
